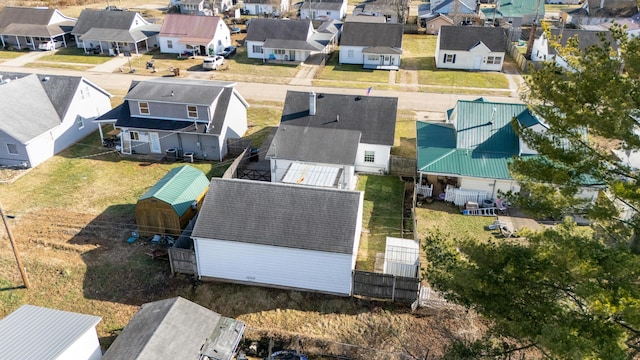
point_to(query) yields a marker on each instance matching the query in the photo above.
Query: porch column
(33, 44)
(2, 39)
(146, 44)
(18, 42)
(135, 46)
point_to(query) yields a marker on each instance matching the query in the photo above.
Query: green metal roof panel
(518, 8)
(471, 163)
(179, 188)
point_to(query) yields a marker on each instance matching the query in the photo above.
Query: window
(170, 44)
(257, 49)
(369, 156)
(494, 60)
(13, 149)
(144, 108)
(349, 54)
(450, 58)
(79, 122)
(373, 57)
(192, 111)
(278, 51)
(328, 12)
(134, 135)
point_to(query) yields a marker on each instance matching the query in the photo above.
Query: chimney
(312, 103)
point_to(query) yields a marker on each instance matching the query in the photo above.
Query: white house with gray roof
(279, 235)
(24, 27)
(44, 114)
(179, 116)
(323, 9)
(374, 45)
(287, 40)
(470, 48)
(333, 131)
(268, 7)
(177, 328)
(33, 332)
(114, 32)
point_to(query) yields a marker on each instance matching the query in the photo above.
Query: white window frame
(140, 107)
(349, 53)
(134, 135)
(192, 111)
(279, 51)
(450, 58)
(257, 49)
(14, 147)
(169, 44)
(369, 156)
(494, 60)
(80, 122)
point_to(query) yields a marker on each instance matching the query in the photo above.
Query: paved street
(104, 76)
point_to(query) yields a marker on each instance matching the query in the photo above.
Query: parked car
(212, 62)
(235, 30)
(114, 8)
(50, 45)
(227, 52)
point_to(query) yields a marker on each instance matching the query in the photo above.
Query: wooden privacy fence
(517, 56)
(182, 261)
(239, 161)
(385, 286)
(402, 166)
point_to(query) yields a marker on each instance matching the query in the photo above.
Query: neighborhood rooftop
(181, 91)
(466, 37)
(318, 145)
(32, 21)
(283, 215)
(373, 116)
(371, 34)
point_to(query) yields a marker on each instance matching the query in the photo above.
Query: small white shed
(34, 332)
(279, 235)
(402, 257)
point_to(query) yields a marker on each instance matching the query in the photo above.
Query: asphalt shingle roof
(34, 332)
(586, 38)
(466, 37)
(318, 145)
(197, 28)
(278, 29)
(371, 34)
(102, 19)
(373, 116)
(23, 21)
(178, 91)
(176, 328)
(274, 214)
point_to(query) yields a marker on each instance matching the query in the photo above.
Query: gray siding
(169, 111)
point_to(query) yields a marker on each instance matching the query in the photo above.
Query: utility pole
(532, 34)
(25, 279)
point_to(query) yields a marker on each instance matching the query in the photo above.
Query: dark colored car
(227, 52)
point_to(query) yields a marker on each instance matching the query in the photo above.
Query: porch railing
(425, 190)
(460, 196)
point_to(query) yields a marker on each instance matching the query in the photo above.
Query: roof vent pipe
(312, 103)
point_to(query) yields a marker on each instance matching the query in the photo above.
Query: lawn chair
(506, 232)
(501, 205)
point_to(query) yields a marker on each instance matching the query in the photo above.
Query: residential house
(44, 114)
(463, 12)
(375, 46)
(279, 235)
(178, 117)
(466, 158)
(542, 50)
(374, 117)
(516, 13)
(266, 7)
(631, 25)
(169, 205)
(205, 35)
(33, 332)
(177, 328)
(194, 7)
(23, 27)
(287, 40)
(115, 32)
(609, 8)
(470, 48)
(323, 9)
(434, 23)
(388, 9)
(365, 18)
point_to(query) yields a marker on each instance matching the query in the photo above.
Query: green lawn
(405, 138)
(351, 73)
(75, 55)
(5, 54)
(382, 216)
(262, 118)
(39, 65)
(419, 52)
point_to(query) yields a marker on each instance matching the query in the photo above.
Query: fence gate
(385, 286)
(182, 261)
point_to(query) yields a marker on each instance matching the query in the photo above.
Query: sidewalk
(28, 57)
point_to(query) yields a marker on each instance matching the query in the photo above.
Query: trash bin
(188, 156)
(171, 154)
(253, 155)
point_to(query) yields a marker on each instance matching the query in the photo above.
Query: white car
(212, 62)
(50, 45)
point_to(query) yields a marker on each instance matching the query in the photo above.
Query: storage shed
(279, 235)
(401, 257)
(168, 206)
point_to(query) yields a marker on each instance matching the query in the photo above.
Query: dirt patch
(9, 175)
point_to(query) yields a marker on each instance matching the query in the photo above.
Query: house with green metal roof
(470, 152)
(516, 13)
(169, 205)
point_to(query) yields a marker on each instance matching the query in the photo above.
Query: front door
(126, 141)
(387, 60)
(154, 143)
(257, 10)
(477, 62)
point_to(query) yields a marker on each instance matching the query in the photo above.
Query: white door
(387, 60)
(477, 62)
(154, 143)
(126, 141)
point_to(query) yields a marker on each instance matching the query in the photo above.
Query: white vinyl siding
(274, 266)
(380, 162)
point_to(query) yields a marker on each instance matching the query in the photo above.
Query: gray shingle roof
(373, 116)
(321, 5)
(196, 92)
(175, 328)
(318, 145)
(263, 29)
(371, 34)
(586, 38)
(102, 19)
(32, 22)
(275, 214)
(34, 332)
(466, 37)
